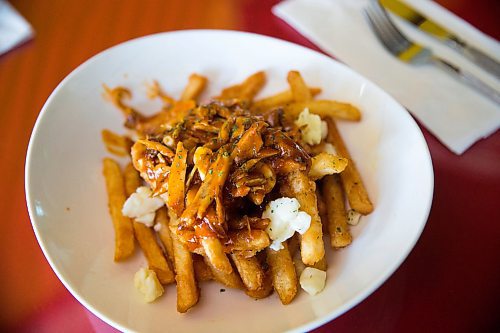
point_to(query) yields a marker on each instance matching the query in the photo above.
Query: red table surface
(451, 280)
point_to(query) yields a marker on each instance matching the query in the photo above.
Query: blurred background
(69, 32)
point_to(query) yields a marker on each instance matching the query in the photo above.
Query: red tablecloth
(451, 280)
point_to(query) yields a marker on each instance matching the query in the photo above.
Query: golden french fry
(194, 88)
(326, 164)
(322, 264)
(231, 280)
(159, 147)
(230, 92)
(251, 272)
(321, 208)
(351, 180)
(299, 89)
(325, 108)
(252, 85)
(201, 270)
(154, 255)
(116, 144)
(337, 220)
(177, 180)
(283, 273)
(244, 240)
(299, 185)
(265, 290)
(164, 232)
(279, 99)
(187, 290)
(246, 90)
(294, 244)
(145, 236)
(132, 179)
(155, 91)
(214, 252)
(124, 233)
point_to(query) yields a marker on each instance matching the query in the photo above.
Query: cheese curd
(147, 283)
(312, 280)
(312, 128)
(141, 206)
(286, 219)
(353, 217)
(330, 149)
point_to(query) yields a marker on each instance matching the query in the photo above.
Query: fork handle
(469, 79)
(476, 56)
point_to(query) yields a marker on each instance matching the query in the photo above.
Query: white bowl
(68, 206)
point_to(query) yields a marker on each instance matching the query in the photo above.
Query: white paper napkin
(456, 114)
(14, 29)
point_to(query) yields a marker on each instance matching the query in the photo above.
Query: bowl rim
(358, 298)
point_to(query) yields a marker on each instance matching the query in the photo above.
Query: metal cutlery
(423, 23)
(409, 52)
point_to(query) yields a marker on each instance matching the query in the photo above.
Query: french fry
(124, 232)
(252, 85)
(294, 244)
(214, 252)
(145, 236)
(283, 273)
(299, 185)
(201, 270)
(322, 264)
(265, 290)
(155, 91)
(187, 290)
(131, 178)
(231, 280)
(116, 144)
(337, 220)
(177, 180)
(162, 149)
(325, 108)
(351, 180)
(279, 99)
(230, 92)
(161, 218)
(321, 208)
(210, 188)
(326, 164)
(244, 240)
(251, 272)
(247, 90)
(194, 88)
(299, 89)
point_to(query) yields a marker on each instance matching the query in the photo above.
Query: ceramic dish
(68, 206)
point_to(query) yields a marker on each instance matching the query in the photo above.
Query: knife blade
(436, 30)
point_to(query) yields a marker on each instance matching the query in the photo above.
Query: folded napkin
(14, 29)
(456, 114)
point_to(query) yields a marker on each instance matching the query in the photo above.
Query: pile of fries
(217, 166)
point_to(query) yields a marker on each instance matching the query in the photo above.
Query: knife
(434, 29)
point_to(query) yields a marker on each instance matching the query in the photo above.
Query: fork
(410, 52)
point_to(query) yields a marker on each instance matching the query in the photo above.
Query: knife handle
(476, 56)
(469, 79)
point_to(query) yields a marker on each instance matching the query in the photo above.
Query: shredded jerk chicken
(216, 164)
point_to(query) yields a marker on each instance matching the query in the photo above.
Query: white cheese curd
(141, 206)
(330, 149)
(286, 219)
(312, 128)
(353, 217)
(146, 282)
(324, 129)
(312, 280)
(157, 227)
